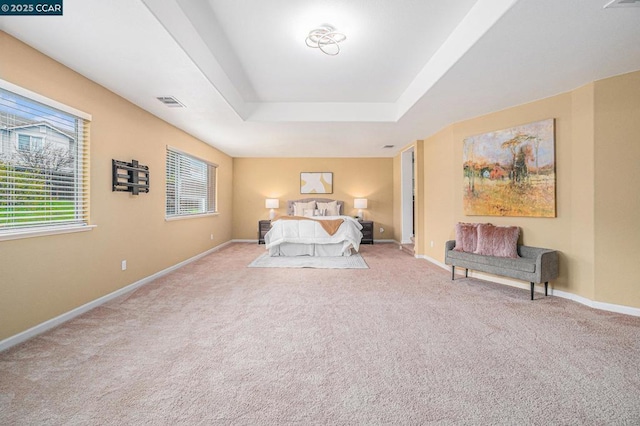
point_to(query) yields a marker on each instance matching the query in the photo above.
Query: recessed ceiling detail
(375, 83)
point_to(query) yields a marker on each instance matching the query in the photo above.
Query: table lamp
(360, 203)
(272, 203)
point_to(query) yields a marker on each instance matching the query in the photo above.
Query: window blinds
(191, 185)
(44, 165)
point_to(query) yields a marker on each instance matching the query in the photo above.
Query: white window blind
(44, 167)
(191, 185)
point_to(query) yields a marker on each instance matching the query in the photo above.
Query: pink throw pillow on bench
(501, 241)
(466, 237)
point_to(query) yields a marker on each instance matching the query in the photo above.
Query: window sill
(43, 232)
(189, 216)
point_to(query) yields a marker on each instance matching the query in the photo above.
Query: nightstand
(263, 228)
(367, 231)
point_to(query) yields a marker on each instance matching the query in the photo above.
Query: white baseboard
(432, 260)
(620, 309)
(54, 322)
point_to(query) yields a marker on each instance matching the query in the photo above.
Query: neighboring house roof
(38, 124)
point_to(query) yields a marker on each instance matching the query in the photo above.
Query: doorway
(407, 165)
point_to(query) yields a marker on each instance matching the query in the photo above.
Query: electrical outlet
(431, 243)
(381, 230)
(124, 265)
(212, 236)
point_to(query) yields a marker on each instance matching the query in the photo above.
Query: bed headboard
(306, 200)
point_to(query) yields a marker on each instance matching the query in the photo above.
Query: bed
(314, 227)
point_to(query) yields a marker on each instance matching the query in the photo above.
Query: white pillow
(308, 213)
(330, 209)
(299, 208)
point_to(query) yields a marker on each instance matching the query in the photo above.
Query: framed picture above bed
(316, 183)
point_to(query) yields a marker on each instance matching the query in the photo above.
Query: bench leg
(466, 273)
(453, 272)
(546, 285)
(531, 291)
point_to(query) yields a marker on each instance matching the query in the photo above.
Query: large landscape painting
(511, 172)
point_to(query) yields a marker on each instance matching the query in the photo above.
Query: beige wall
(255, 179)
(46, 276)
(580, 168)
(439, 195)
(596, 229)
(617, 190)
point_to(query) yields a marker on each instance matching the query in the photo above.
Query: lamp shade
(272, 203)
(360, 203)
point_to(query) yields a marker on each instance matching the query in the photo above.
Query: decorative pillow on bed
(466, 237)
(501, 241)
(299, 208)
(330, 209)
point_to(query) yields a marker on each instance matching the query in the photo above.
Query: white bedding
(309, 232)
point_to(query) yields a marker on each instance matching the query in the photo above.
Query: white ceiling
(408, 68)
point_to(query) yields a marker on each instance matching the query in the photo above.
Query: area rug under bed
(355, 261)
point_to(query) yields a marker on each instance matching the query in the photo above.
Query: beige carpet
(218, 343)
(355, 261)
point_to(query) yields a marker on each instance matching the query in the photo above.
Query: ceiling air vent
(388, 146)
(623, 3)
(170, 101)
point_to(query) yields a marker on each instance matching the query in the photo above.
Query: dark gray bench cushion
(535, 264)
(522, 264)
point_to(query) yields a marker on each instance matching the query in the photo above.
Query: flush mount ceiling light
(325, 38)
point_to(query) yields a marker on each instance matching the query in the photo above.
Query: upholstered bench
(534, 264)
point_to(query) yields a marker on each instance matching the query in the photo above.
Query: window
(44, 179)
(29, 143)
(191, 185)
(24, 142)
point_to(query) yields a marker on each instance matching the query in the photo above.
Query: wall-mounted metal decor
(130, 177)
